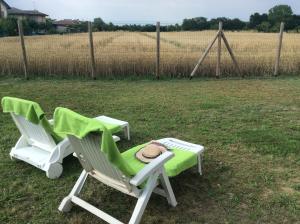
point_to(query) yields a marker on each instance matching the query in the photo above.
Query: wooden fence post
(276, 70)
(204, 55)
(21, 35)
(157, 50)
(231, 55)
(93, 65)
(218, 69)
(220, 35)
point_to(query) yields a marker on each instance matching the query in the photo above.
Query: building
(35, 15)
(4, 7)
(64, 26)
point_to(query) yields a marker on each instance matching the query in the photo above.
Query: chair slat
(95, 161)
(36, 134)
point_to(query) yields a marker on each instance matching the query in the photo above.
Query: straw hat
(150, 152)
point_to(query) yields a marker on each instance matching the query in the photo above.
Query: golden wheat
(133, 53)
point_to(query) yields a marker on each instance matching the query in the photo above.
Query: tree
(48, 24)
(147, 28)
(171, 28)
(280, 13)
(99, 24)
(235, 24)
(198, 23)
(8, 26)
(33, 26)
(110, 27)
(188, 24)
(201, 23)
(292, 22)
(256, 19)
(264, 27)
(214, 23)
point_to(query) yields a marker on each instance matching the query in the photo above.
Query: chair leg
(127, 132)
(200, 164)
(66, 204)
(54, 170)
(164, 180)
(143, 199)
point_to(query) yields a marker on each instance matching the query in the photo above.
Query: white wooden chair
(96, 165)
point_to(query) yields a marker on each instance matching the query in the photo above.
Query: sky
(150, 11)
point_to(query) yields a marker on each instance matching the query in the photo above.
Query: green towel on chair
(181, 161)
(71, 123)
(32, 112)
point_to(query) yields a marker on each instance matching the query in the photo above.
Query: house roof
(65, 22)
(4, 3)
(15, 11)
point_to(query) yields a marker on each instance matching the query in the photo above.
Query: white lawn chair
(123, 124)
(96, 164)
(100, 158)
(38, 148)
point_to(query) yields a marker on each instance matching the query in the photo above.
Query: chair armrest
(153, 166)
(58, 155)
(51, 121)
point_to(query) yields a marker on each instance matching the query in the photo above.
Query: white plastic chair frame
(95, 164)
(38, 148)
(185, 146)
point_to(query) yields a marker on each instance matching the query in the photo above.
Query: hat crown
(151, 151)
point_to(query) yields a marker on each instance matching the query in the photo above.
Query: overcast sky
(148, 11)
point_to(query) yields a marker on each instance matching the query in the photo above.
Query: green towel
(71, 123)
(31, 111)
(181, 161)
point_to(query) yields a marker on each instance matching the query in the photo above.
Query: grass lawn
(250, 128)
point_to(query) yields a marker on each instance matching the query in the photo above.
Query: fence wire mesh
(123, 53)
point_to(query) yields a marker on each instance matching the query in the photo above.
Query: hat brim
(139, 155)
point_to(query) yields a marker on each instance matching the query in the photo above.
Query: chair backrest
(95, 162)
(35, 134)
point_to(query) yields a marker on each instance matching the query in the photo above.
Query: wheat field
(134, 53)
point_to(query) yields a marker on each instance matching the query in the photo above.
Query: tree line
(265, 22)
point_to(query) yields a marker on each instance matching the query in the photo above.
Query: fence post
(218, 69)
(204, 55)
(21, 35)
(231, 54)
(93, 65)
(276, 70)
(157, 50)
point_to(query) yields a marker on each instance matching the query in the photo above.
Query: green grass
(250, 128)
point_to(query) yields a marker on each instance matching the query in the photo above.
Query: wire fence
(122, 53)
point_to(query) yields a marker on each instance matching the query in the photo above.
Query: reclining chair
(100, 158)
